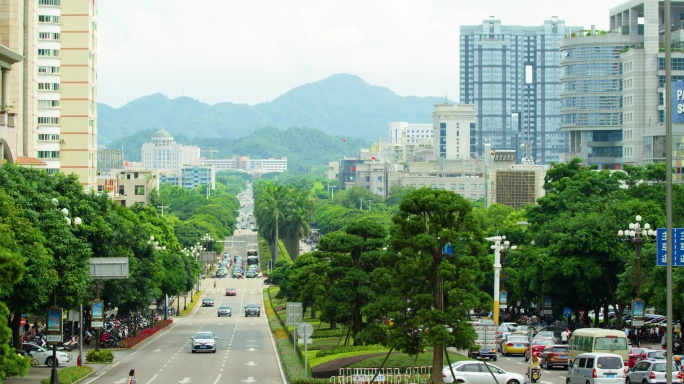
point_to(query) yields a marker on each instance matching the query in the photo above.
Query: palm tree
(296, 222)
(270, 207)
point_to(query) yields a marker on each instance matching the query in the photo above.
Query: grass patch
(70, 374)
(326, 358)
(403, 361)
(191, 304)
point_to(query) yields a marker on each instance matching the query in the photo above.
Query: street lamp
(500, 245)
(637, 234)
(504, 250)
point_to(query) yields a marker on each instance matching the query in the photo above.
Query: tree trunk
(275, 253)
(438, 303)
(15, 325)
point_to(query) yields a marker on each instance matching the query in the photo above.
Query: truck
(486, 340)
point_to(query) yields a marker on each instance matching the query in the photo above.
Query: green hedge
(70, 375)
(102, 356)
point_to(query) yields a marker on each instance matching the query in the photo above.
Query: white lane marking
(152, 379)
(217, 379)
(103, 372)
(251, 364)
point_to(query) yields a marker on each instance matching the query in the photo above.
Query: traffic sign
(304, 341)
(567, 312)
(677, 247)
(305, 330)
(293, 314)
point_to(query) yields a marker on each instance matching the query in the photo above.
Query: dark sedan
(207, 302)
(252, 310)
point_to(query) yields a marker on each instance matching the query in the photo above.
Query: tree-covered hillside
(341, 104)
(303, 147)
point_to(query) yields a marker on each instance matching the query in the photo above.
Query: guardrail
(412, 375)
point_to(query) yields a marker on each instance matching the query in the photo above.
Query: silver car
(204, 342)
(469, 371)
(650, 372)
(224, 310)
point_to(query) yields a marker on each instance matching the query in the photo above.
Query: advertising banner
(97, 318)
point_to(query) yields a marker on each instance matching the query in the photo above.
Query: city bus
(585, 340)
(252, 252)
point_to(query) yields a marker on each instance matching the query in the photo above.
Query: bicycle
(32, 361)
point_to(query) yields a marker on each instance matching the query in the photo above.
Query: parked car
(554, 355)
(538, 345)
(651, 372)
(596, 368)
(252, 310)
(511, 327)
(231, 292)
(44, 356)
(204, 342)
(207, 302)
(515, 345)
(469, 371)
(653, 354)
(224, 310)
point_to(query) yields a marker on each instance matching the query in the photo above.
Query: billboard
(677, 101)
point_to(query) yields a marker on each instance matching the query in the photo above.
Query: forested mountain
(303, 147)
(340, 105)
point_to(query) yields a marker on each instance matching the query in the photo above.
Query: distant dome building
(167, 156)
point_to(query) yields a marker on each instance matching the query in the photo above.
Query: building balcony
(8, 120)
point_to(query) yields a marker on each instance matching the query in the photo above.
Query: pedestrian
(564, 336)
(131, 377)
(27, 327)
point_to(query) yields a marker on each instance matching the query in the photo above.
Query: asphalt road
(245, 348)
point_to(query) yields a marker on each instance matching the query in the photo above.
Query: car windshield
(610, 343)
(657, 355)
(609, 362)
(517, 339)
(224, 307)
(208, 299)
(559, 349)
(204, 335)
(661, 367)
(543, 342)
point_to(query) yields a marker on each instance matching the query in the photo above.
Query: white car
(44, 356)
(204, 342)
(469, 371)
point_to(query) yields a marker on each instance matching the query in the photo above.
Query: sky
(252, 51)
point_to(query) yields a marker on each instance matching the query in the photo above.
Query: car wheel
(459, 381)
(193, 351)
(219, 315)
(214, 351)
(513, 382)
(567, 381)
(545, 364)
(49, 361)
(494, 358)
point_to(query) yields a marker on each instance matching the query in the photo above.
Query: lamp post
(637, 234)
(332, 195)
(500, 244)
(54, 379)
(504, 251)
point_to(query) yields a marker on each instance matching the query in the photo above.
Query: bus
(252, 252)
(585, 340)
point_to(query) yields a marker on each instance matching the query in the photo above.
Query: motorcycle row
(113, 331)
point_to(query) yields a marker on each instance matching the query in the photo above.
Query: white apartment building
(48, 60)
(401, 132)
(452, 127)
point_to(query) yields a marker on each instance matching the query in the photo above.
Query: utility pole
(361, 203)
(162, 208)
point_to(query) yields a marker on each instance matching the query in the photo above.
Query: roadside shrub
(132, 341)
(327, 332)
(70, 375)
(346, 349)
(102, 356)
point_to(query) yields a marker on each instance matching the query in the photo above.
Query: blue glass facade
(512, 75)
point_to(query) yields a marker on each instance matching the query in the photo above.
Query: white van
(585, 340)
(597, 368)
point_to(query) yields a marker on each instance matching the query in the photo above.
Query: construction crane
(211, 151)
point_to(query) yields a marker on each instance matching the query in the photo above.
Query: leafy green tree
(307, 280)
(270, 207)
(426, 288)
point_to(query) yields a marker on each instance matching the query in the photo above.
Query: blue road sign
(567, 312)
(677, 247)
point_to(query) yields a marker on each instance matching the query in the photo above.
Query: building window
(48, 120)
(48, 36)
(461, 186)
(121, 190)
(49, 2)
(48, 103)
(48, 154)
(128, 176)
(139, 190)
(45, 69)
(48, 19)
(48, 137)
(48, 86)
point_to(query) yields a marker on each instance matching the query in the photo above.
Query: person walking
(131, 377)
(565, 335)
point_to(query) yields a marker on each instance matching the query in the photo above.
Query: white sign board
(293, 314)
(305, 330)
(305, 341)
(54, 338)
(102, 268)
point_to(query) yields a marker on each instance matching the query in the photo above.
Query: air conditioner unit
(62, 141)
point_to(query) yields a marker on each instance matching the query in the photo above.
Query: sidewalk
(36, 374)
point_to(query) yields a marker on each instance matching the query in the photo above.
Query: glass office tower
(512, 75)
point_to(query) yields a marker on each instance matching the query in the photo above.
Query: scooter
(536, 374)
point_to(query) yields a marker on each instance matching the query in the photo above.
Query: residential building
(511, 73)
(129, 186)
(78, 89)
(221, 164)
(453, 126)
(48, 60)
(193, 176)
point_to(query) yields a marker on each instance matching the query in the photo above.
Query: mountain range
(340, 105)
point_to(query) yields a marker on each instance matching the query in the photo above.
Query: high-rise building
(48, 113)
(512, 75)
(401, 132)
(164, 154)
(614, 87)
(78, 88)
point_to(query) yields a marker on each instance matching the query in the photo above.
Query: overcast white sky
(252, 51)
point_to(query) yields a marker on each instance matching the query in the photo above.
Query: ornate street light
(638, 234)
(501, 245)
